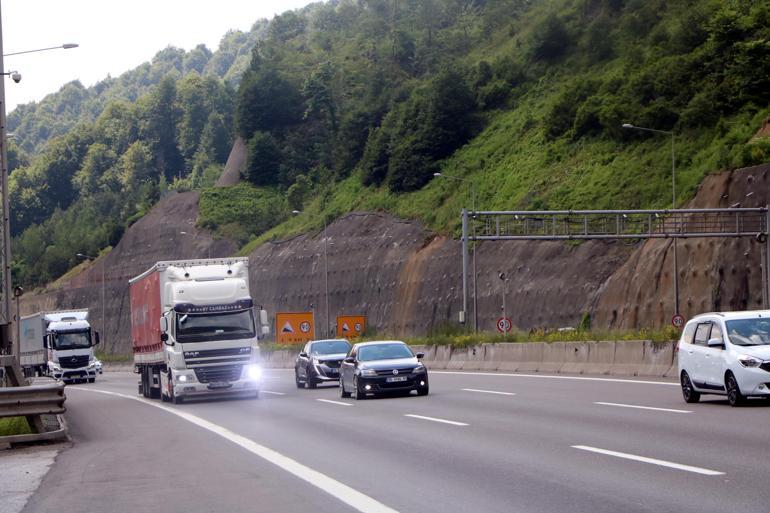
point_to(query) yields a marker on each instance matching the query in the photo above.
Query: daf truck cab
(195, 330)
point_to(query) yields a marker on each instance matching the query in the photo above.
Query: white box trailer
(59, 344)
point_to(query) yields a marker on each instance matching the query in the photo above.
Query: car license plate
(332, 371)
(395, 379)
(222, 384)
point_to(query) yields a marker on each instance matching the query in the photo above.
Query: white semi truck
(59, 344)
(194, 330)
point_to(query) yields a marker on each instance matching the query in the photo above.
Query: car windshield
(329, 347)
(214, 326)
(72, 340)
(749, 332)
(384, 352)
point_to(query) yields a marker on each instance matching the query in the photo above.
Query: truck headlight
(254, 372)
(749, 361)
(183, 378)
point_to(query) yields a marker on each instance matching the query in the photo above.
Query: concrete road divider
(620, 358)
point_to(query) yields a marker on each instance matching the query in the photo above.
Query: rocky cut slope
(407, 280)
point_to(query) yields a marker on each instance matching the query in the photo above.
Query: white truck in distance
(193, 330)
(59, 344)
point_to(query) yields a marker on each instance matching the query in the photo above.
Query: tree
(264, 159)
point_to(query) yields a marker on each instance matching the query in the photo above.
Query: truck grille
(209, 356)
(73, 362)
(218, 374)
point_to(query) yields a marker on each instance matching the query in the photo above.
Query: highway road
(480, 442)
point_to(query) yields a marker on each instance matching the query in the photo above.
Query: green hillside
(356, 104)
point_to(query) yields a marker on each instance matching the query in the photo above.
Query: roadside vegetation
(14, 426)
(354, 105)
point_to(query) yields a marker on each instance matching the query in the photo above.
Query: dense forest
(355, 104)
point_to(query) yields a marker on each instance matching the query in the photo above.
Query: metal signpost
(565, 225)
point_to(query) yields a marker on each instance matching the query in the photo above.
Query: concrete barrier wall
(621, 358)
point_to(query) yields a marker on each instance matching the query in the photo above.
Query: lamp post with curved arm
(673, 201)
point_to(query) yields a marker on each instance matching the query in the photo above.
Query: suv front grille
(73, 362)
(218, 374)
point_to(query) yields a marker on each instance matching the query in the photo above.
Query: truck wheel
(91, 380)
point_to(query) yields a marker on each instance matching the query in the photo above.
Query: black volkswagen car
(382, 367)
(319, 361)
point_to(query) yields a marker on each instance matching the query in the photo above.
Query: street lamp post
(104, 319)
(673, 202)
(473, 228)
(326, 272)
(5, 236)
(65, 46)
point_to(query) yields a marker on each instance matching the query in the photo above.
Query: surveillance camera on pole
(16, 76)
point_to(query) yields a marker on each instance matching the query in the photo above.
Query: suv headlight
(419, 369)
(749, 361)
(368, 372)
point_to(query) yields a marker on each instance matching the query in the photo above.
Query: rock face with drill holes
(407, 280)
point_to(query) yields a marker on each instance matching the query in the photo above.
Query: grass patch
(14, 426)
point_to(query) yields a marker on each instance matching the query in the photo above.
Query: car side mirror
(303, 354)
(349, 359)
(420, 355)
(715, 342)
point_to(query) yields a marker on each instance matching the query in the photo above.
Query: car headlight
(749, 361)
(254, 372)
(419, 369)
(368, 372)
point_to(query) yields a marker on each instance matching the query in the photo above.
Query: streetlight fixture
(475, 279)
(326, 272)
(673, 201)
(65, 46)
(104, 319)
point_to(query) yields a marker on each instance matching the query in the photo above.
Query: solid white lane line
(432, 419)
(575, 378)
(642, 407)
(334, 402)
(340, 491)
(271, 392)
(487, 391)
(653, 461)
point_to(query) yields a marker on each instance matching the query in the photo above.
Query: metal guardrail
(32, 400)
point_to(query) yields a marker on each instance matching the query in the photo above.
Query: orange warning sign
(294, 327)
(351, 326)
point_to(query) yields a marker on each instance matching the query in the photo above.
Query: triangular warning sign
(345, 327)
(287, 328)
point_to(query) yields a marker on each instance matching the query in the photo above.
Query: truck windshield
(214, 326)
(72, 340)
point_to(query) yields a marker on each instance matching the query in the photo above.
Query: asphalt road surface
(478, 443)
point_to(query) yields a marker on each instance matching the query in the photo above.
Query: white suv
(726, 353)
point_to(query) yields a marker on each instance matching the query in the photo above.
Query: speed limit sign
(677, 321)
(504, 324)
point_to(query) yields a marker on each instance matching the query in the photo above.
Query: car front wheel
(297, 381)
(343, 394)
(688, 392)
(734, 395)
(359, 395)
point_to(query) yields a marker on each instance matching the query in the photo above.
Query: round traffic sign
(304, 327)
(677, 321)
(504, 324)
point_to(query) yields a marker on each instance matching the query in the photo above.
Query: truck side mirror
(164, 325)
(265, 330)
(96, 334)
(263, 319)
(164, 339)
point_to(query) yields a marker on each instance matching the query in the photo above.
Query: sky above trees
(113, 36)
